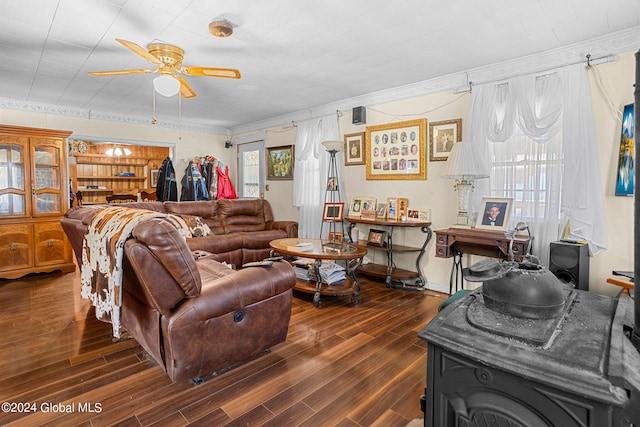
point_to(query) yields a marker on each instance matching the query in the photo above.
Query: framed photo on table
(397, 150)
(333, 211)
(354, 149)
(494, 213)
(442, 136)
(377, 238)
(280, 162)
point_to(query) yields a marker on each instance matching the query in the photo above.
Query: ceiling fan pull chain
(153, 102)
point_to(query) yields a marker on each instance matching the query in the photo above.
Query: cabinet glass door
(12, 187)
(47, 185)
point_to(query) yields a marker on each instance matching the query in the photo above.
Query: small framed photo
(332, 183)
(354, 149)
(381, 211)
(442, 136)
(419, 214)
(333, 211)
(280, 162)
(336, 237)
(355, 209)
(154, 177)
(377, 238)
(494, 213)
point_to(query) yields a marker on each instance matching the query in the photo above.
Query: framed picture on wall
(626, 161)
(397, 150)
(494, 213)
(354, 149)
(442, 136)
(280, 162)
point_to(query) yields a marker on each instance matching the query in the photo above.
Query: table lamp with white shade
(465, 164)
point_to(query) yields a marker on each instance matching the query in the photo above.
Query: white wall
(434, 193)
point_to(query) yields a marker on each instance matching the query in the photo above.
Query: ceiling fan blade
(229, 73)
(119, 72)
(140, 51)
(185, 89)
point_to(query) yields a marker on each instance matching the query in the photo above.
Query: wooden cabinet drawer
(50, 244)
(15, 246)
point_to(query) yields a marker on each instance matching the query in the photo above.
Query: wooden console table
(453, 242)
(389, 271)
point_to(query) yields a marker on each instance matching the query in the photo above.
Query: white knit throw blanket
(102, 251)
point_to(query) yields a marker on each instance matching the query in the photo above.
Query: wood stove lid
(537, 332)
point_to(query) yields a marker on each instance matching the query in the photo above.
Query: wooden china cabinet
(34, 194)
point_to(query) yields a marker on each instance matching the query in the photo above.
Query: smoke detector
(221, 28)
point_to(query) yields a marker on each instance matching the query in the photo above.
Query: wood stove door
(464, 393)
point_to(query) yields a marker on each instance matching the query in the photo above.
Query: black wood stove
(579, 365)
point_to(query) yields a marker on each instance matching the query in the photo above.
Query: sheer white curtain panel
(310, 171)
(537, 133)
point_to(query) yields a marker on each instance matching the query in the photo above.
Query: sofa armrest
(290, 227)
(234, 291)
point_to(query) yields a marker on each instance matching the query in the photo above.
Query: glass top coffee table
(319, 250)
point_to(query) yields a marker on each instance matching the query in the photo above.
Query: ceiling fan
(168, 61)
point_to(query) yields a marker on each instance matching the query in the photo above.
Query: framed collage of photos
(396, 150)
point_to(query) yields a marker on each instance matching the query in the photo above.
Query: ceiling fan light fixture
(220, 28)
(166, 85)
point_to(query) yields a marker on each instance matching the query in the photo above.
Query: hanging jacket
(194, 186)
(167, 187)
(225, 187)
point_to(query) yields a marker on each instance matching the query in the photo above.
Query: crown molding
(605, 46)
(81, 113)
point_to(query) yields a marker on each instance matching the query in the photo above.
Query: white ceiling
(294, 55)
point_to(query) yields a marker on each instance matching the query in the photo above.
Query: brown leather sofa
(241, 229)
(193, 314)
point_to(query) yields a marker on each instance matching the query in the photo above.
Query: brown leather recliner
(197, 316)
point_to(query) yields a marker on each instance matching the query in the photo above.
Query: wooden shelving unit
(98, 175)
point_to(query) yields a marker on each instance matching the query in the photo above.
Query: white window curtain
(538, 138)
(310, 171)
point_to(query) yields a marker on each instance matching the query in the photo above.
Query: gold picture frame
(397, 150)
(354, 149)
(280, 162)
(442, 136)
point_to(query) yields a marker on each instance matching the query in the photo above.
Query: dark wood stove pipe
(635, 339)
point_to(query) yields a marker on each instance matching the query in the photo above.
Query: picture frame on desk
(381, 211)
(377, 238)
(419, 214)
(494, 213)
(355, 208)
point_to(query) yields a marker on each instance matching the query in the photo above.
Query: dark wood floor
(342, 364)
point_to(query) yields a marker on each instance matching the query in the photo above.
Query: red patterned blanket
(102, 251)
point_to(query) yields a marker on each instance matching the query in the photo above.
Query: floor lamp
(465, 164)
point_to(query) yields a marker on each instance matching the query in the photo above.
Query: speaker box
(569, 262)
(359, 116)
